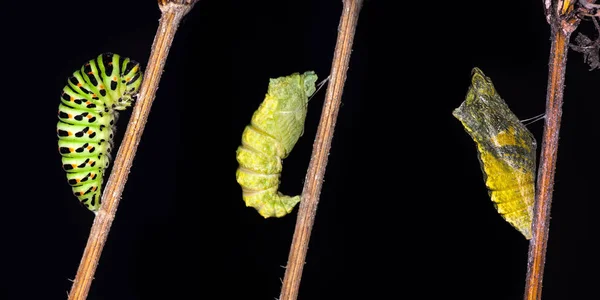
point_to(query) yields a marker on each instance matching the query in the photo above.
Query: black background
(403, 213)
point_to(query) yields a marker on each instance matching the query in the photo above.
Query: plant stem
(545, 181)
(321, 147)
(172, 11)
(561, 28)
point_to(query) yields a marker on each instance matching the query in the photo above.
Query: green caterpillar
(87, 114)
(273, 131)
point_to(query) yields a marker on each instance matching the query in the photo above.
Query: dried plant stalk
(321, 146)
(562, 23)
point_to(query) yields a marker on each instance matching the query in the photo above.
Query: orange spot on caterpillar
(71, 150)
(90, 132)
(72, 98)
(127, 79)
(70, 116)
(74, 166)
(101, 87)
(94, 189)
(110, 63)
(88, 103)
(77, 180)
(93, 95)
(79, 84)
(89, 116)
(93, 176)
(69, 133)
(89, 147)
(80, 193)
(90, 162)
(90, 73)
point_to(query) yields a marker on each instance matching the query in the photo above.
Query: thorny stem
(562, 24)
(172, 11)
(321, 146)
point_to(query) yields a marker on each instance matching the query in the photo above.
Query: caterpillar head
(126, 101)
(121, 77)
(131, 79)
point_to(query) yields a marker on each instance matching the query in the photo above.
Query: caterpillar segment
(269, 138)
(87, 115)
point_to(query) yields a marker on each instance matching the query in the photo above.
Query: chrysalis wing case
(506, 151)
(273, 131)
(86, 114)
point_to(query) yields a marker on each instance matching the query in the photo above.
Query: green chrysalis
(273, 131)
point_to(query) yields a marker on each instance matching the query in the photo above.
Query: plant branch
(172, 11)
(321, 147)
(562, 23)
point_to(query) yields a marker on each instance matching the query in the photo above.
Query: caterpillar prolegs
(272, 134)
(87, 115)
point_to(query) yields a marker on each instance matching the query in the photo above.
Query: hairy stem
(172, 11)
(321, 146)
(561, 27)
(545, 181)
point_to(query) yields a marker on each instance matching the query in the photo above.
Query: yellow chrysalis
(506, 151)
